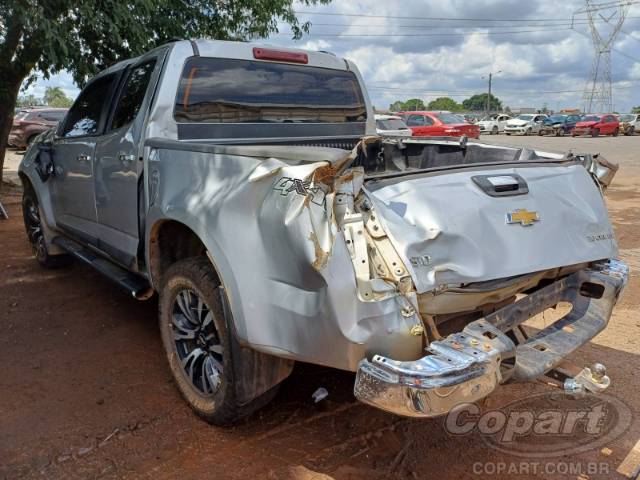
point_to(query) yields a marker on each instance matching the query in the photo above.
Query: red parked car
(439, 124)
(28, 124)
(595, 125)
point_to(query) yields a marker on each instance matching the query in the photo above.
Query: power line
(565, 23)
(446, 19)
(452, 34)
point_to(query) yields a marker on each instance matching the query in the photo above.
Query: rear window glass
(449, 118)
(53, 115)
(391, 124)
(218, 90)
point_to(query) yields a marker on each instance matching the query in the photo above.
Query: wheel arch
(43, 197)
(170, 241)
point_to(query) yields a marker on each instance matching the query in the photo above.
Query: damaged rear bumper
(467, 366)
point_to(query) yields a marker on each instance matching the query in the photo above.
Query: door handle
(83, 158)
(125, 159)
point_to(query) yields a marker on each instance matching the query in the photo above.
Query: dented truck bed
(411, 262)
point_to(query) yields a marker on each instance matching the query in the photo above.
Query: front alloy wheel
(35, 233)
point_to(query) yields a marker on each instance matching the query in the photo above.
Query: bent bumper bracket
(467, 366)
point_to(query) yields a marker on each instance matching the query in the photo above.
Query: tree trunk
(9, 87)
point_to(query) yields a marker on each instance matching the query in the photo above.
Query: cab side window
(132, 95)
(84, 117)
(428, 121)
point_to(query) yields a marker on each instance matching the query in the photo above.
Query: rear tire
(33, 225)
(198, 343)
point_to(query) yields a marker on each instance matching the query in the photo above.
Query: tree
(635, 110)
(85, 36)
(444, 103)
(55, 97)
(409, 105)
(479, 103)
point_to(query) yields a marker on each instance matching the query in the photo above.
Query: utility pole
(489, 96)
(488, 104)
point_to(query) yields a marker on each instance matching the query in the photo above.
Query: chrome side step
(137, 286)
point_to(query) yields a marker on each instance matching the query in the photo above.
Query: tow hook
(594, 379)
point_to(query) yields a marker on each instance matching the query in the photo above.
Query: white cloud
(316, 45)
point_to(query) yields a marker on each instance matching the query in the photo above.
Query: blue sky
(423, 49)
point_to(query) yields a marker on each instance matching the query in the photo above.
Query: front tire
(494, 130)
(615, 132)
(595, 132)
(35, 233)
(528, 131)
(198, 342)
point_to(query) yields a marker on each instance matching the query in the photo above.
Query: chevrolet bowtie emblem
(523, 216)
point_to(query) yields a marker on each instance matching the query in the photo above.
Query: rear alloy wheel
(198, 343)
(35, 233)
(595, 132)
(559, 132)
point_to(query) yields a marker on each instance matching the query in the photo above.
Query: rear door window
(85, 116)
(220, 90)
(132, 95)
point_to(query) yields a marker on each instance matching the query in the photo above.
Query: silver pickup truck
(246, 186)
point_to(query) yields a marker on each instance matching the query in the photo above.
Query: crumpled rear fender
(270, 228)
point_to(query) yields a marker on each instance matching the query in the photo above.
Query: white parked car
(392, 126)
(525, 124)
(493, 124)
(629, 123)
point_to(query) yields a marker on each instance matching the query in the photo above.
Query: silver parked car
(247, 187)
